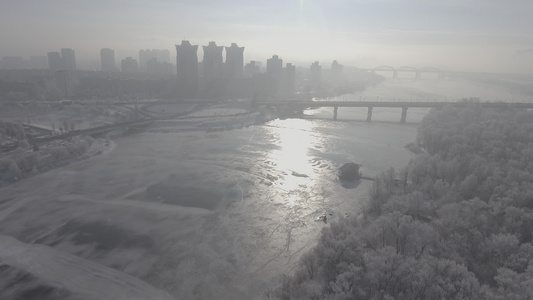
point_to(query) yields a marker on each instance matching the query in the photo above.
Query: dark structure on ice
(349, 172)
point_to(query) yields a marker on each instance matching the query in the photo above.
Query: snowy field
(66, 117)
(218, 111)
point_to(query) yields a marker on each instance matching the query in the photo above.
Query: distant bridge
(404, 105)
(408, 69)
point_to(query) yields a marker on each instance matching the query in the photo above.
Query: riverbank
(462, 205)
(23, 163)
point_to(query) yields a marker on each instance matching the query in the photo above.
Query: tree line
(25, 159)
(455, 223)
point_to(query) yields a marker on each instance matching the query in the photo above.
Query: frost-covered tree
(458, 228)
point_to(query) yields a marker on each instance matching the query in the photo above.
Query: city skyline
(473, 35)
(233, 55)
(230, 60)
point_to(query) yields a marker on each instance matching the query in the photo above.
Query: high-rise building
(251, 68)
(336, 70)
(187, 68)
(129, 65)
(107, 59)
(213, 69)
(68, 59)
(234, 61)
(156, 67)
(315, 75)
(212, 62)
(54, 61)
(274, 73)
(289, 78)
(274, 67)
(161, 55)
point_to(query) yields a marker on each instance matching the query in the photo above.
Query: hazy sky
(458, 34)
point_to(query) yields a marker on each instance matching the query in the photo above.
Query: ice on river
(199, 215)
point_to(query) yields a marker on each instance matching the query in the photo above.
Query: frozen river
(195, 214)
(201, 214)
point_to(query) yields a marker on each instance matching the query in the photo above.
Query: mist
(466, 36)
(302, 149)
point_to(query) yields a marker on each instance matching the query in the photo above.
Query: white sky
(490, 35)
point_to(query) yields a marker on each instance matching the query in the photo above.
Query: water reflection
(294, 138)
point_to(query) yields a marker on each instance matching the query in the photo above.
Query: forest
(455, 223)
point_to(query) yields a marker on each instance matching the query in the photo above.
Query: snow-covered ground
(219, 117)
(51, 155)
(82, 278)
(165, 109)
(66, 117)
(218, 111)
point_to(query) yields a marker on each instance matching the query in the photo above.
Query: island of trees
(455, 223)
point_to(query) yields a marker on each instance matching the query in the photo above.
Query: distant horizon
(472, 35)
(86, 62)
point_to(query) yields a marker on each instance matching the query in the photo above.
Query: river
(201, 215)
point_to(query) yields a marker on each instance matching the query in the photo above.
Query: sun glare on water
(295, 138)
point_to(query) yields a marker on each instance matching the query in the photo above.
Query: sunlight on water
(295, 137)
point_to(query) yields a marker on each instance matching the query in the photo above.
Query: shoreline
(99, 147)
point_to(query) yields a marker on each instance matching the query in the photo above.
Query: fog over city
(266, 150)
(472, 35)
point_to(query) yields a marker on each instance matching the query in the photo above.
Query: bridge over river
(404, 105)
(93, 131)
(296, 106)
(131, 125)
